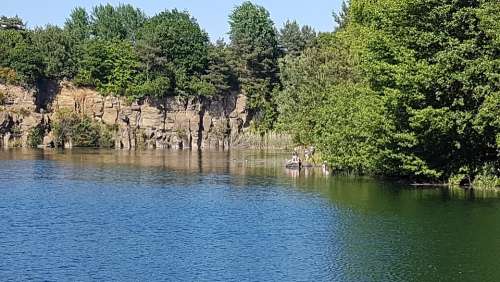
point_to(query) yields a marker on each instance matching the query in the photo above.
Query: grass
(271, 140)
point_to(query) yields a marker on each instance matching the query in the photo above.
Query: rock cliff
(17, 115)
(171, 122)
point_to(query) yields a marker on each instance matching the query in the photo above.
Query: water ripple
(74, 220)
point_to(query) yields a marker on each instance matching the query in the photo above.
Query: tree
(220, 73)
(173, 45)
(54, 48)
(342, 17)
(17, 53)
(111, 66)
(78, 25)
(326, 103)
(436, 64)
(309, 36)
(294, 40)
(254, 42)
(122, 22)
(13, 23)
(179, 38)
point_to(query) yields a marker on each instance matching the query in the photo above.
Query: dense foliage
(398, 88)
(294, 39)
(119, 51)
(79, 131)
(255, 44)
(426, 76)
(437, 65)
(326, 102)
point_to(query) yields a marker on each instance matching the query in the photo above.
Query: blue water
(81, 218)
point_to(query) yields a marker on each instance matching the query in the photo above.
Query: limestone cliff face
(17, 115)
(170, 122)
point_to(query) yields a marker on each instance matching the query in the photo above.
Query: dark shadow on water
(246, 164)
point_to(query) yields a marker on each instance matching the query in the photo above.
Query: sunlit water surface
(231, 216)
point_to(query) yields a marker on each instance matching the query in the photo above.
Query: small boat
(293, 165)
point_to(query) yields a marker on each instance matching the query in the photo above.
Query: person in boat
(295, 161)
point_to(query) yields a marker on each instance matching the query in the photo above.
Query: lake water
(85, 215)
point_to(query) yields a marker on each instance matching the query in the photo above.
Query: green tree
(436, 63)
(121, 22)
(254, 42)
(294, 40)
(325, 102)
(178, 38)
(78, 25)
(111, 66)
(342, 17)
(13, 23)
(55, 50)
(18, 53)
(173, 45)
(220, 73)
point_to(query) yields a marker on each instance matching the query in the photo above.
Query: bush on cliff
(80, 131)
(107, 135)
(8, 76)
(35, 136)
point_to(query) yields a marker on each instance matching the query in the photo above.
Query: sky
(212, 15)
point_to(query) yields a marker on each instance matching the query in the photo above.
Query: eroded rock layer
(171, 122)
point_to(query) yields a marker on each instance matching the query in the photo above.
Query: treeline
(121, 51)
(400, 88)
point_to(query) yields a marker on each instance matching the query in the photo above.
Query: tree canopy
(294, 39)
(255, 44)
(424, 75)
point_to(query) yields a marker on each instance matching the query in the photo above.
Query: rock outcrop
(171, 122)
(18, 115)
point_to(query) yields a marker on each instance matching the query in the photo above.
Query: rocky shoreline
(170, 122)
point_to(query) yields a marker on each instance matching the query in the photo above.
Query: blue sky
(211, 14)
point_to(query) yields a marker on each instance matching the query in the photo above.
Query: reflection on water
(238, 216)
(232, 162)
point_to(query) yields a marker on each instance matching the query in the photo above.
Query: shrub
(85, 133)
(181, 133)
(16, 130)
(486, 182)
(8, 76)
(62, 126)
(35, 136)
(81, 130)
(456, 180)
(486, 179)
(16, 143)
(107, 136)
